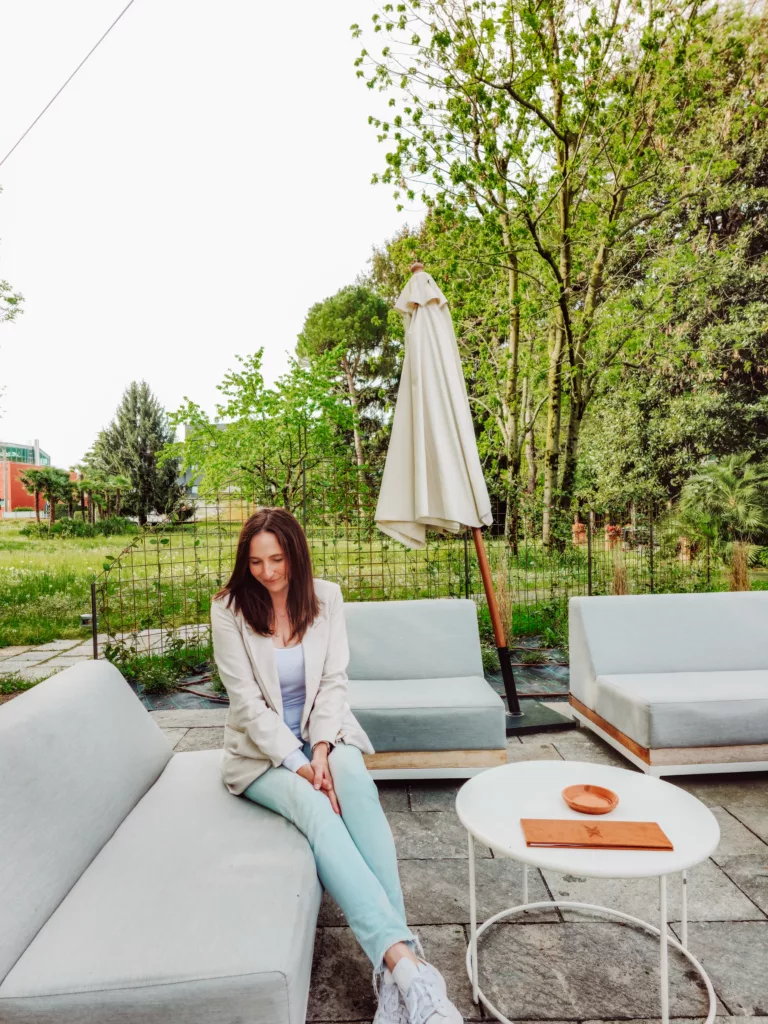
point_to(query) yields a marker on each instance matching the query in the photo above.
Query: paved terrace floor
(551, 966)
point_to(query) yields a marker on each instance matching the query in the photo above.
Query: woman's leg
(366, 822)
(377, 925)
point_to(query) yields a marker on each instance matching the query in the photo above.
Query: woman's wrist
(322, 747)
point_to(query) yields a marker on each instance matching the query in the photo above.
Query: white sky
(198, 185)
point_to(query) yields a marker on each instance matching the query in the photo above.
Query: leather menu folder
(594, 835)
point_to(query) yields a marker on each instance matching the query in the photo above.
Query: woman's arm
(252, 713)
(328, 710)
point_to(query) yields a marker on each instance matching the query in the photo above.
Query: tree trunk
(552, 442)
(530, 444)
(354, 403)
(52, 510)
(37, 506)
(82, 505)
(511, 394)
(568, 481)
(117, 502)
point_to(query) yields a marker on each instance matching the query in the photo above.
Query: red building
(15, 460)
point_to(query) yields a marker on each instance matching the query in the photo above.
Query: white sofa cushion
(77, 752)
(663, 633)
(201, 909)
(687, 709)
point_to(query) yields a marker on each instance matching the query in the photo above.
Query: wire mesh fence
(153, 600)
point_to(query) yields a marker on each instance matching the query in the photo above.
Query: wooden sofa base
(432, 764)
(674, 760)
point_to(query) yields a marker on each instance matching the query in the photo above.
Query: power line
(61, 90)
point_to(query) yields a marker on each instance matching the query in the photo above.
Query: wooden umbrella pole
(513, 703)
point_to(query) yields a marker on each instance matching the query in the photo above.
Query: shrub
(23, 508)
(77, 528)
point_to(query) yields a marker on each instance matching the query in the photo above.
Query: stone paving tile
(202, 739)
(34, 657)
(578, 971)
(743, 857)
(437, 891)
(434, 795)
(174, 735)
(11, 665)
(434, 835)
(58, 645)
(540, 750)
(393, 796)
(68, 660)
(711, 896)
(189, 719)
(727, 790)
(37, 673)
(735, 955)
(754, 816)
(341, 987)
(582, 745)
(10, 652)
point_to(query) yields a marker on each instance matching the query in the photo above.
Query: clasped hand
(318, 773)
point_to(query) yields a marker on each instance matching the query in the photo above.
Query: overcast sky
(198, 185)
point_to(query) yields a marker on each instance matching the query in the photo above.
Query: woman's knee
(349, 771)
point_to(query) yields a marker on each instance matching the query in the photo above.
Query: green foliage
(158, 672)
(727, 501)
(125, 456)
(111, 527)
(11, 682)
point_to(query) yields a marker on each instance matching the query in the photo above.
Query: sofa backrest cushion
(77, 753)
(675, 632)
(413, 639)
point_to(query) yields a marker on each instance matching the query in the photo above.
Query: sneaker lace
(424, 1000)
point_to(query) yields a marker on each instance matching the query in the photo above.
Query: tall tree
(33, 480)
(351, 327)
(130, 447)
(557, 122)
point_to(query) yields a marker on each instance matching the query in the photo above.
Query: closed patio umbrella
(432, 476)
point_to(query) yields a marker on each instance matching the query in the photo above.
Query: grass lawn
(45, 585)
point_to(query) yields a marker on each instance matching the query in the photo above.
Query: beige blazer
(255, 735)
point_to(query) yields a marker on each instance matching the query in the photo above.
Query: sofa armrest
(583, 680)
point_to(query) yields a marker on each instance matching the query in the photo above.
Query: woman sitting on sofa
(292, 744)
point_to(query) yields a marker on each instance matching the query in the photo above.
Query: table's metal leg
(525, 883)
(684, 903)
(664, 950)
(472, 919)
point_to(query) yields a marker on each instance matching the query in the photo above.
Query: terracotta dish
(590, 799)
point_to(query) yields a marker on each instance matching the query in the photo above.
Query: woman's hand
(322, 779)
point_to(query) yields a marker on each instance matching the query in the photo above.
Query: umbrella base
(534, 717)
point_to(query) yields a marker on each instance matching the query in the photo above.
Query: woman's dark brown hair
(251, 598)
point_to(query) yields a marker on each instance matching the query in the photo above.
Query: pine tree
(129, 447)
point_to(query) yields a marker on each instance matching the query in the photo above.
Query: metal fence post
(650, 547)
(590, 521)
(94, 623)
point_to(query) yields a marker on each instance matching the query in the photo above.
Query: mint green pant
(354, 853)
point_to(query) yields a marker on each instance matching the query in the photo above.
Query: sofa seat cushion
(687, 709)
(200, 909)
(454, 713)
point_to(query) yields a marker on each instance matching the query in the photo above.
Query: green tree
(559, 127)
(33, 480)
(728, 501)
(263, 439)
(130, 447)
(54, 485)
(351, 328)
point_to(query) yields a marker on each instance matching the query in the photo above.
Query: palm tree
(55, 485)
(727, 502)
(33, 480)
(120, 483)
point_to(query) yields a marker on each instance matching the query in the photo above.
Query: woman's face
(268, 563)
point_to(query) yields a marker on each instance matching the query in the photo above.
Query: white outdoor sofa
(135, 888)
(678, 683)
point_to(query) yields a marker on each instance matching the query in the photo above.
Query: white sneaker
(423, 990)
(391, 1008)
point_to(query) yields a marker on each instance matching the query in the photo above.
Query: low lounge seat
(416, 685)
(133, 886)
(677, 682)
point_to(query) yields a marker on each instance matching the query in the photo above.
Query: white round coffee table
(491, 804)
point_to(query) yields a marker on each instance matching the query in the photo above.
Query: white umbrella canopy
(432, 476)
